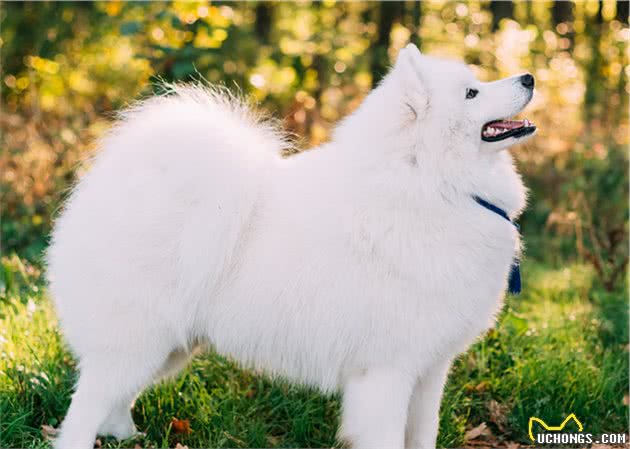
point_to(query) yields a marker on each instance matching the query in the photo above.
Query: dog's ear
(409, 70)
(413, 50)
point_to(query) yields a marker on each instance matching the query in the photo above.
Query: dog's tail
(229, 116)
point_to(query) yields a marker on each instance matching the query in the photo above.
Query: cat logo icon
(553, 428)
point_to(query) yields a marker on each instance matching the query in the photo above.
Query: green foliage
(590, 221)
(548, 358)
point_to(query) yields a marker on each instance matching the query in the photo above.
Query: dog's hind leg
(119, 423)
(375, 409)
(106, 387)
(424, 408)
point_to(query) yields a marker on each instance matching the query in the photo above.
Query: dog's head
(440, 103)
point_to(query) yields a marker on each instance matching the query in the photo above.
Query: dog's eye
(471, 93)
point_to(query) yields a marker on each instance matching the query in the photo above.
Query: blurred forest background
(66, 67)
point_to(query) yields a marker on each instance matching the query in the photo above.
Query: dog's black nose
(527, 81)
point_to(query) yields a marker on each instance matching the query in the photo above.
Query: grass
(559, 348)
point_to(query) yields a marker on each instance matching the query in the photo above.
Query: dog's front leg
(375, 404)
(424, 409)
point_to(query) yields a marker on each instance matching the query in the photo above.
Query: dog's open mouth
(502, 129)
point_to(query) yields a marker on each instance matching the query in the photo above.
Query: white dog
(363, 266)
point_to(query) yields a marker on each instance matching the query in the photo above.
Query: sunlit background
(67, 67)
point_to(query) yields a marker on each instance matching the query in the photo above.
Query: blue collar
(514, 281)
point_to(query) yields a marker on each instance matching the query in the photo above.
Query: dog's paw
(122, 428)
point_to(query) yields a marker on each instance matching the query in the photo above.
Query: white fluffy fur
(363, 265)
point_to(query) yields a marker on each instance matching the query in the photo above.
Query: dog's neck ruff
(514, 281)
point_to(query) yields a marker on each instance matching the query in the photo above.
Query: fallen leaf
(481, 386)
(98, 444)
(626, 400)
(480, 430)
(498, 414)
(180, 446)
(181, 426)
(479, 444)
(272, 441)
(512, 445)
(471, 361)
(234, 439)
(48, 432)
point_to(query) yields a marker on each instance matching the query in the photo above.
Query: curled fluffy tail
(217, 106)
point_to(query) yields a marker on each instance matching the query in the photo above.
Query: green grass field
(559, 348)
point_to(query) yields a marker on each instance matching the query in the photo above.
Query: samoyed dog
(364, 266)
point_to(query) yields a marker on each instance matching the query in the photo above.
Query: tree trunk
(623, 10)
(264, 15)
(388, 13)
(592, 96)
(500, 10)
(416, 17)
(599, 18)
(562, 11)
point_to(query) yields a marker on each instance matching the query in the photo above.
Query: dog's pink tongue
(509, 124)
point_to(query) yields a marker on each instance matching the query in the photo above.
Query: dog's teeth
(490, 131)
